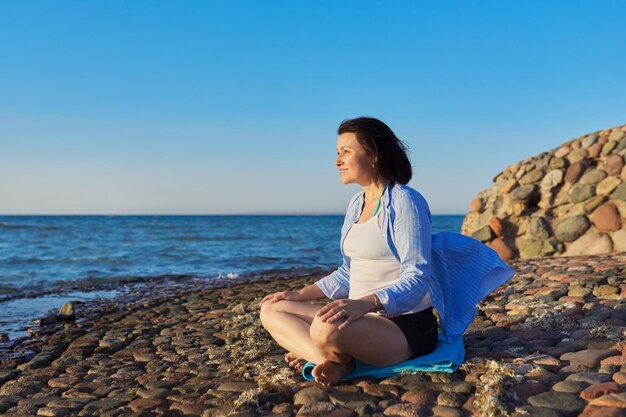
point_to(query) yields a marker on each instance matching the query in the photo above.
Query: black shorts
(420, 330)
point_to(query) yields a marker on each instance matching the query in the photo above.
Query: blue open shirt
(458, 270)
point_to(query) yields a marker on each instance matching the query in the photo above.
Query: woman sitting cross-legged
(382, 311)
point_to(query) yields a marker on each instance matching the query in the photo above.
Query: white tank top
(372, 264)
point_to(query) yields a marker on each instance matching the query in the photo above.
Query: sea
(46, 261)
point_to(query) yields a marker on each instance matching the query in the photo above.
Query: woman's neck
(373, 191)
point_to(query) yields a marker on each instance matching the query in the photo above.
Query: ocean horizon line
(195, 215)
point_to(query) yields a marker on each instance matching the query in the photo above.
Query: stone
(528, 193)
(616, 134)
(577, 155)
(579, 292)
(484, 234)
(616, 399)
(451, 399)
(560, 401)
(324, 409)
(533, 248)
(539, 227)
(594, 150)
(589, 377)
(620, 378)
(508, 186)
(608, 185)
(402, 410)
(503, 250)
(593, 203)
(310, 395)
(598, 390)
(582, 192)
(591, 243)
(146, 404)
(531, 177)
(496, 225)
(620, 192)
(420, 397)
(562, 151)
(352, 399)
(530, 411)
(574, 172)
(381, 391)
(614, 164)
(608, 147)
(619, 240)
(53, 412)
(67, 311)
(236, 386)
(477, 205)
(552, 179)
(598, 411)
(589, 140)
(571, 228)
(573, 387)
(443, 411)
(593, 176)
(557, 163)
(606, 218)
(8, 374)
(604, 290)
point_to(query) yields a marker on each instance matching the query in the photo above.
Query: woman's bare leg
(372, 339)
(289, 323)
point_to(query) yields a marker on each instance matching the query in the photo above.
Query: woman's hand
(283, 295)
(346, 310)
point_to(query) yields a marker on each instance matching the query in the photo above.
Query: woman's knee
(324, 334)
(267, 312)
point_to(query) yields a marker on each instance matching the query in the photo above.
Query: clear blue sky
(210, 107)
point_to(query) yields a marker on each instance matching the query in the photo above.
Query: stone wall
(569, 201)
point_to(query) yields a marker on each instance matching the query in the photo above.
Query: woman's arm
(310, 292)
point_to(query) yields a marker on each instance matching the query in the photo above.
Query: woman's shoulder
(402, 194)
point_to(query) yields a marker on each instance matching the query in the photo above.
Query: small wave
(5, 225)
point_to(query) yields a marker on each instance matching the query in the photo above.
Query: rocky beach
(550, 342)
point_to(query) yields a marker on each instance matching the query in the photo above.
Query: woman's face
(353, 163)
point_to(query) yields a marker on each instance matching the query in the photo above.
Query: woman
(382, 312)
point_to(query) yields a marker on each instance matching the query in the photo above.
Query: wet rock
(67, 311)
(7, 375)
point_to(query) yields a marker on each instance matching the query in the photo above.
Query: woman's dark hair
(387, 153)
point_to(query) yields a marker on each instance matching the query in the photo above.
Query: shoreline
(551, 340)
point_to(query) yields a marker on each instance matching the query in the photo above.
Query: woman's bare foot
(329, 373)
(295, 362)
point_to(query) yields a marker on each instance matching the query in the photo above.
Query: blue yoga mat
(447, 357)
